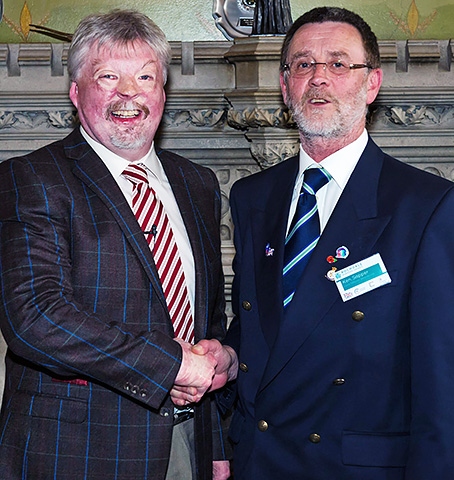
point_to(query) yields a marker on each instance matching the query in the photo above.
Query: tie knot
(314, 179)
(135, 173)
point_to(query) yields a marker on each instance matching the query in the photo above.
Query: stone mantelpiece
(224, 108)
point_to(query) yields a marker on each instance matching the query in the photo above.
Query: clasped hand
(206, 366)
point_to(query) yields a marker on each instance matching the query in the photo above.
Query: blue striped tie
(304, 231)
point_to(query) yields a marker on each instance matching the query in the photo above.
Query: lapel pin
(330, 274)
(269, 252)
(341, 253)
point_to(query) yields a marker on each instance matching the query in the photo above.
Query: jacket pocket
(387, 449)
(47, 406)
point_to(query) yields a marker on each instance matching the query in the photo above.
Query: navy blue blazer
(350, 390)
(90, 357)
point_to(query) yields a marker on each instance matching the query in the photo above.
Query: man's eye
(146, 77)
(338, 65)
(303, 65)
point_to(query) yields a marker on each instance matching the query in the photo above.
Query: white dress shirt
(160, 184)
(340, 165)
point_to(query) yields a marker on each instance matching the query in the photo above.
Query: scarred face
(119, 95)
(325, 104)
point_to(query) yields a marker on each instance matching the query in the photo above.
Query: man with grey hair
(110, 272)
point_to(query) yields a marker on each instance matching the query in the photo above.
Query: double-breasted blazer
(91, 357)
(354, 390)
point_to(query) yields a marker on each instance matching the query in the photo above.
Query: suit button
(243, 367)
(357, 316)
(314, 438)
(164, 412)
(339, 381)
(134, 390)
(246, 305)
(143, 393)
(263, 426)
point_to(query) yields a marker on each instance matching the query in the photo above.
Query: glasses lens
(337, 68)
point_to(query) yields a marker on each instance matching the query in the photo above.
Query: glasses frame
(352, 66)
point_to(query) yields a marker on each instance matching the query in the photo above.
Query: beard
(329, 125)
(126, 137)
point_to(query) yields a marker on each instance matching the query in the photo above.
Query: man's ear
(374, 81)
(284, 90)
(74, 93)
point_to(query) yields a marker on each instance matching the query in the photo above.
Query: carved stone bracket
(268, 153)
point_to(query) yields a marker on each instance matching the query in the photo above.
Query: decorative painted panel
(189, 20)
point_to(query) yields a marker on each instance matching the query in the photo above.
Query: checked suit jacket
(91, 358)
(354, 390)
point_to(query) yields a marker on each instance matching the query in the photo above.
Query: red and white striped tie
(155, 224)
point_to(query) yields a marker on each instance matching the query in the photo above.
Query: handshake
(205, 367)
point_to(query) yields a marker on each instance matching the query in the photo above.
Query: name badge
(361, 277)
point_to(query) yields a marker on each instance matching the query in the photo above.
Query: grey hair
(118, 27)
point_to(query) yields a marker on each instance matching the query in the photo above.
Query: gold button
(246, 305)
(243, 367)
(357, 316)
(263, 426)
(339, 381)
(314, 438)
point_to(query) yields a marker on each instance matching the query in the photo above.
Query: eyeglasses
(302, 68)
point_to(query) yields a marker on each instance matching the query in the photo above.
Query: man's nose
(319, 73)
(127, 87)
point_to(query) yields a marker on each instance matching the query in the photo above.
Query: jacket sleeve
(431, 451)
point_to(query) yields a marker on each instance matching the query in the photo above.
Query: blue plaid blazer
(90, 357)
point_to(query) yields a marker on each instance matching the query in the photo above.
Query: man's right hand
(195, 375)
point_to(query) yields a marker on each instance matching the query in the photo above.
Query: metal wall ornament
(234, 17)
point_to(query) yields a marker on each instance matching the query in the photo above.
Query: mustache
(129, 105)
(318, 93)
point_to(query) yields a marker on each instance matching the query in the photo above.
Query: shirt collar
(116, 164)
(340, 164)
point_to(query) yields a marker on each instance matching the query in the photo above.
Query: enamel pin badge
(269, 252)
(341, 254)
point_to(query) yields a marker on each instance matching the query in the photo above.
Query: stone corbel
(271, 133)
(271, 148)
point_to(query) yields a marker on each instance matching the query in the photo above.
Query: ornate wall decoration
(260, 118)
(268, 154)
(196, 118)
(415, 115)
(414, 23)
(29, 120)
(22, 28)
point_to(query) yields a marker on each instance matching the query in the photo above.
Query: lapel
(269, 222)
(186, 182)
(91, 170)
(354, 223)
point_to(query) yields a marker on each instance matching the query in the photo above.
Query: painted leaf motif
(413, 17)
(25, 20)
